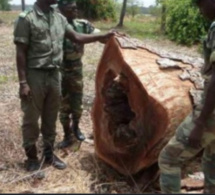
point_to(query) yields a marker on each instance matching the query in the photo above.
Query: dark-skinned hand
(25, 91)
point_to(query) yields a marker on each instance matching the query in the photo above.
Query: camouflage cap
(65, 2)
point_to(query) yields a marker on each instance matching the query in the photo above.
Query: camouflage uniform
(72, 75)
(178, 150)
(44, 35)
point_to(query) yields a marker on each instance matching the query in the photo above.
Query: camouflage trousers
(72, 92)
(177, 151)
(45, 91)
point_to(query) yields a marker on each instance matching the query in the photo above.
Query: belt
(45, 69)
(78, 61)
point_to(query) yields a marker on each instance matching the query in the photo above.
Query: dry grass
(85, 173)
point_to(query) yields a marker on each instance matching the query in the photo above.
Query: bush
(184, 23)
(97, 9)
(4, 5)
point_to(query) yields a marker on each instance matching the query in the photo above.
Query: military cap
(65, 2)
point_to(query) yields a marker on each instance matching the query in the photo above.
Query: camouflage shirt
(74, 51)
(209, 52)
(44, 35)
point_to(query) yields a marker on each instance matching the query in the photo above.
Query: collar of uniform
(39, 11)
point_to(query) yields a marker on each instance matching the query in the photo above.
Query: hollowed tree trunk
(138, 104)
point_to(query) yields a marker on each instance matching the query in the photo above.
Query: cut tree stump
(142, 95)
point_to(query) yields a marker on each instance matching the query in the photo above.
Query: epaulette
(55, 8)
(212, 25)
(25, 13)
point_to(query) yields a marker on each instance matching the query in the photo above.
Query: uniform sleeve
(67, 26)
(22, 31)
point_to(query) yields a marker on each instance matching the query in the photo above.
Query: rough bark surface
(142, 95)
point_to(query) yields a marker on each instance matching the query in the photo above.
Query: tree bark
(122, 15)
(23, 5)
(163, 19)
(139, 104)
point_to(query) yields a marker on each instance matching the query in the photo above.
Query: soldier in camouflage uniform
(72, 76)
(197, 131)
(39, 35)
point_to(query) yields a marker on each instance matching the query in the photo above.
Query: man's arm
(83, 38)
(209, 104)
(207, 110)
(21, 56)
(21, 40)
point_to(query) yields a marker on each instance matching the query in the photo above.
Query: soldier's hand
(24, 91)
(196, 136)
(107, 36)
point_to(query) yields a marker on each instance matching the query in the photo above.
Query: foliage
(141, 27)
(4, 5)
(155, 11)
(133, 8)
(183, 22)
(97, 9)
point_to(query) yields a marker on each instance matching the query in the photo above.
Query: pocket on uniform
(181, 137)
(38, 33)
(174, 151)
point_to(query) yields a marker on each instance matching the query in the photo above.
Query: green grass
(142, 27)
(7, 78)
(3, 79)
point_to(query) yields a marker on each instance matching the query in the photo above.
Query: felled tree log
(141, 98)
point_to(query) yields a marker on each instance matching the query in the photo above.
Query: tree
(126, 105)
(97, 9)
(163, 14)
(155, 10)
(122, 15)
(4, 5)
(183, 22)
(133, 7)
(23, 5)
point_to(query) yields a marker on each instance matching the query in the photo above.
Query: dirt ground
(85, 173)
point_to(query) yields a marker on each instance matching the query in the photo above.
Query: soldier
(72, 76)
(39, 35)
(197, 131)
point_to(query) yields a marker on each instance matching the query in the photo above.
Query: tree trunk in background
(122, 15)
(23, 5)
(163, 19)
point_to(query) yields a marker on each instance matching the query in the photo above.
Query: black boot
(77, 132)
(52, 159)
(32, 163)
(67, 141)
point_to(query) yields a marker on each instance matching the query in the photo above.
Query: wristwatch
(22, 82)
